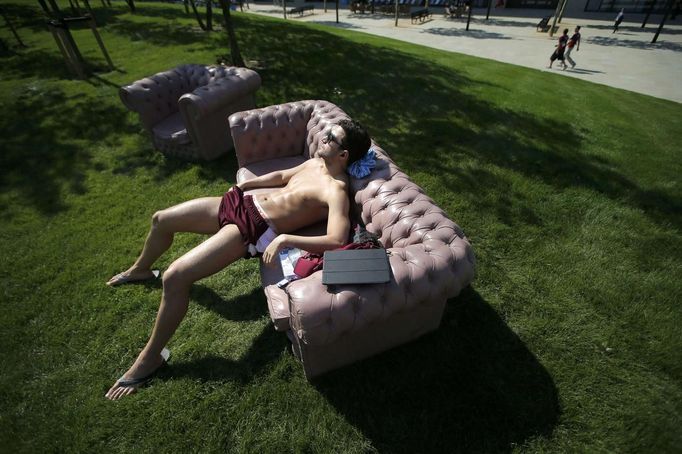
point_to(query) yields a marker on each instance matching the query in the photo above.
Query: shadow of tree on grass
(25, 17)
(159, 33)
(319, 67)
(144, 156)
(540, 148)
(44, 155)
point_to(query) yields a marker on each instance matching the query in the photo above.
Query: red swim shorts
(239, 209)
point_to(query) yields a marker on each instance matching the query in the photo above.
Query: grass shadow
(161, 167)
(264, 351)
(24, 16)
(478, 389)
(44, 155)
(32, 61)
(538, 147)
(252, 306)
(165, 34)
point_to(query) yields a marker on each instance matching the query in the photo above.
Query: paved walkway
(625, 59)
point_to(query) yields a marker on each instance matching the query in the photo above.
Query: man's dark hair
(357, 141)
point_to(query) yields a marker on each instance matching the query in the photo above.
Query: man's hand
(271, 254)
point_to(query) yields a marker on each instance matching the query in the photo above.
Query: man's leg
(208, 258)
(196, 216)
(567, 56)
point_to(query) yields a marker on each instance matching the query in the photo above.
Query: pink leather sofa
(431, 259)
(185, 109)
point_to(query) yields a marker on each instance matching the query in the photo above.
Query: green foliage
(569, 192)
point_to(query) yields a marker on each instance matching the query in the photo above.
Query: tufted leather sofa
(186, 109)
(431, 259)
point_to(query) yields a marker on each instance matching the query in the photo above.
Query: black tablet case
(356, 266)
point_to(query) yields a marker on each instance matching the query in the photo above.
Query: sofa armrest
(156, 97)
(272, 132)
(423, 274)
(213, 97)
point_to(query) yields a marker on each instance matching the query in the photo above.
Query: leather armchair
(186, 109)
(430, 258)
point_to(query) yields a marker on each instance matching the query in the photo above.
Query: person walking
(619, 19)
(573, 42)
(558, 53)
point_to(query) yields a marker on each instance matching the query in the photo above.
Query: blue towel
(363, 166)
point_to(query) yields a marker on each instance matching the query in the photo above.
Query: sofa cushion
(259, 168)
(172, 129)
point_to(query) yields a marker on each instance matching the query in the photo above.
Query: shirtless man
(313, 191)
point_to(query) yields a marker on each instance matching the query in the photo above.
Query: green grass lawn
(567, 341)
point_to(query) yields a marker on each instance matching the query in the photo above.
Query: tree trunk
(235, 55)
(198, 16)
(648, 13)
(556, 16)
(471, 6)
(563, 8)
(668, 9)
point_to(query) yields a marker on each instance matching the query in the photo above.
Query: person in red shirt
(573, 42)
(559, 51)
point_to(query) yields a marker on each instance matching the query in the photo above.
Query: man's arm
(272, 179)
(338, 227)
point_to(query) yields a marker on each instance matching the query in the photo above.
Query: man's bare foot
(132, 275)
(139, 374)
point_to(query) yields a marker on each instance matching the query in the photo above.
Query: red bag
(309, 263)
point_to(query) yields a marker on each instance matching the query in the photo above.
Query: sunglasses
(329, 137)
